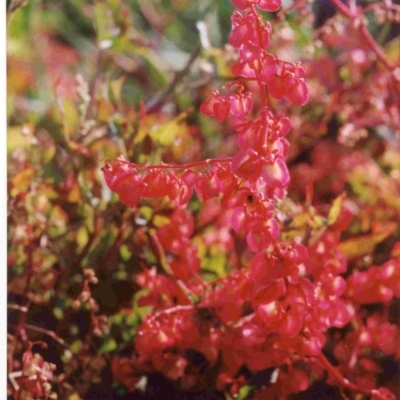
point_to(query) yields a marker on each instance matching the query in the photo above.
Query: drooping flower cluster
(273, 312)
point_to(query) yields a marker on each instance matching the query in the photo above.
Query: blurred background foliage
(92, 80)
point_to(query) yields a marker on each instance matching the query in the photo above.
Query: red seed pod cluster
(36, 375)
(276, 311)
(376, 285)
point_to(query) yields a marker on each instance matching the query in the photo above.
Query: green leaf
(244, 392)
(58, 312)
(125, 253)
(101, 19)
(76, 347)
(242, 395)
(108, 346)
(82, 237)
(132, 320)
(335, 210)
(166, 134)
(216, 262)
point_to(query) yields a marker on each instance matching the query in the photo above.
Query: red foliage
(278, 309)
(279, 260)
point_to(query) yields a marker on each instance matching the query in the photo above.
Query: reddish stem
(257, 18)
(343, 382)
(264, 101)
(376, 48)
(353, 14)
(166, 267)
(182, 166)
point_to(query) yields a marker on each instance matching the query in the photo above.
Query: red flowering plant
(251, 250)
(284, 301)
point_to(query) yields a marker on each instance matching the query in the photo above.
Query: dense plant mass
(251, 249)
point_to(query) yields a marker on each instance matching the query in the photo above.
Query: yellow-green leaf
(335, 210)
(125, 253)
(74, 396)
(82, 237)
(21, 181)
(15, 138)
(362, 245)
(108, 346)
(166, 134)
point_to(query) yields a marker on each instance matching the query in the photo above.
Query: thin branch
(93, 85)
(167, 268)
(120, 237)
(91, 240)
(157, 102)
(45, 332)
(17, 307)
